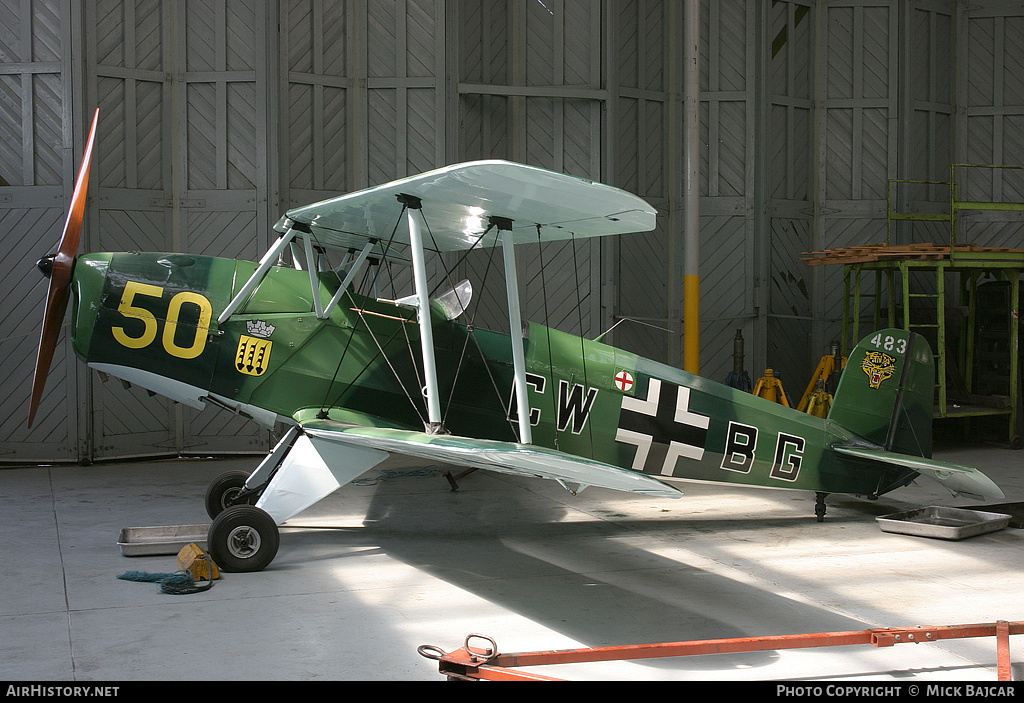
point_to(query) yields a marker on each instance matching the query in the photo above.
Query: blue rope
(174, 583)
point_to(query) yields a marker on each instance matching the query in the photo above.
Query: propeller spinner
(58, 267)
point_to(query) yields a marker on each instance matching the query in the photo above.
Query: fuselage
(151, 319)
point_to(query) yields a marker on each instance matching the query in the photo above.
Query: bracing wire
(547, 334)
(380, 349)
(471, 325)
(583, 350)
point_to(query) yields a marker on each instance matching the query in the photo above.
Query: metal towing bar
(488, 663)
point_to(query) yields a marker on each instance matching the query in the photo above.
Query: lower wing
(505, 457)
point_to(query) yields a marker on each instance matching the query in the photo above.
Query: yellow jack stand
(829, 364)
(818, 402)
(770, 388)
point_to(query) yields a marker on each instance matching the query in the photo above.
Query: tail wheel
(243, 538)
(223, 491)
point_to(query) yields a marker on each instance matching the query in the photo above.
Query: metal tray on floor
(943, 523)
(169, 539)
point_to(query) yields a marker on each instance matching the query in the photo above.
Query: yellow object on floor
(198, 563)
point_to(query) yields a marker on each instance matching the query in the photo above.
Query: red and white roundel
(623, 380)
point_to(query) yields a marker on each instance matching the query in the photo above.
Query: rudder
(886, 390)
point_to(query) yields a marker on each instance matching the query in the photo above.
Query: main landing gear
(242, 537)
(299, 471)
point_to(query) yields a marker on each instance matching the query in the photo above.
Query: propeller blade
(60, 276)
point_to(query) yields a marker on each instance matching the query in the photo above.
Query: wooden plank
(878, 252)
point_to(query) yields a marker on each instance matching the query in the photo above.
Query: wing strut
(268, 260)
(413, 215)
(515, 326)
(352, 271)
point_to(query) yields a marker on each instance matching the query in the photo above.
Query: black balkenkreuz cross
(662, 428)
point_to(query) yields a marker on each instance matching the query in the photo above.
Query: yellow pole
(691, 194)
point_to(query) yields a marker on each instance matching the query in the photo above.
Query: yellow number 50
(128, 308)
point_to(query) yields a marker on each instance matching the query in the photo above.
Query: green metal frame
(1002, 265)
(900, 271)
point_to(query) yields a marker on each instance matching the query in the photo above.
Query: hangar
(780, 143)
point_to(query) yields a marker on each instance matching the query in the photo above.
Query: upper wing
(456, 200)
(507, 457)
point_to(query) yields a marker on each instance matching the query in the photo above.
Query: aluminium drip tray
(943, 523)
(147, 541)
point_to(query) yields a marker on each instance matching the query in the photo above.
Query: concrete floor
(375, 570)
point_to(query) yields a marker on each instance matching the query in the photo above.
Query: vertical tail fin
(886, 390)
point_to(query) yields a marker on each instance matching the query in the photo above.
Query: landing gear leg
(296, 474)
(230, 487)
(819, 506)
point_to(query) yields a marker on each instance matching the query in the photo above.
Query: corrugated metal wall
(991, 125)
(218, 116)
(37, 166)
(181, 165)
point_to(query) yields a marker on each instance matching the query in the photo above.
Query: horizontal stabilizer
(505, 457)
(958, 480)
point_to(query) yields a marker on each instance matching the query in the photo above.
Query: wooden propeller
(58, 267)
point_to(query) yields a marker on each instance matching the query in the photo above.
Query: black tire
(223, 489)
(243, 538)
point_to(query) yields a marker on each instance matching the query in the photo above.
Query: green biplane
(355, 378)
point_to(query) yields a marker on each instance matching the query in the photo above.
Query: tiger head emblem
(878, 366)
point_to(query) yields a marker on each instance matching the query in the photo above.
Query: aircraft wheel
(223, 489)
(243, 538)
